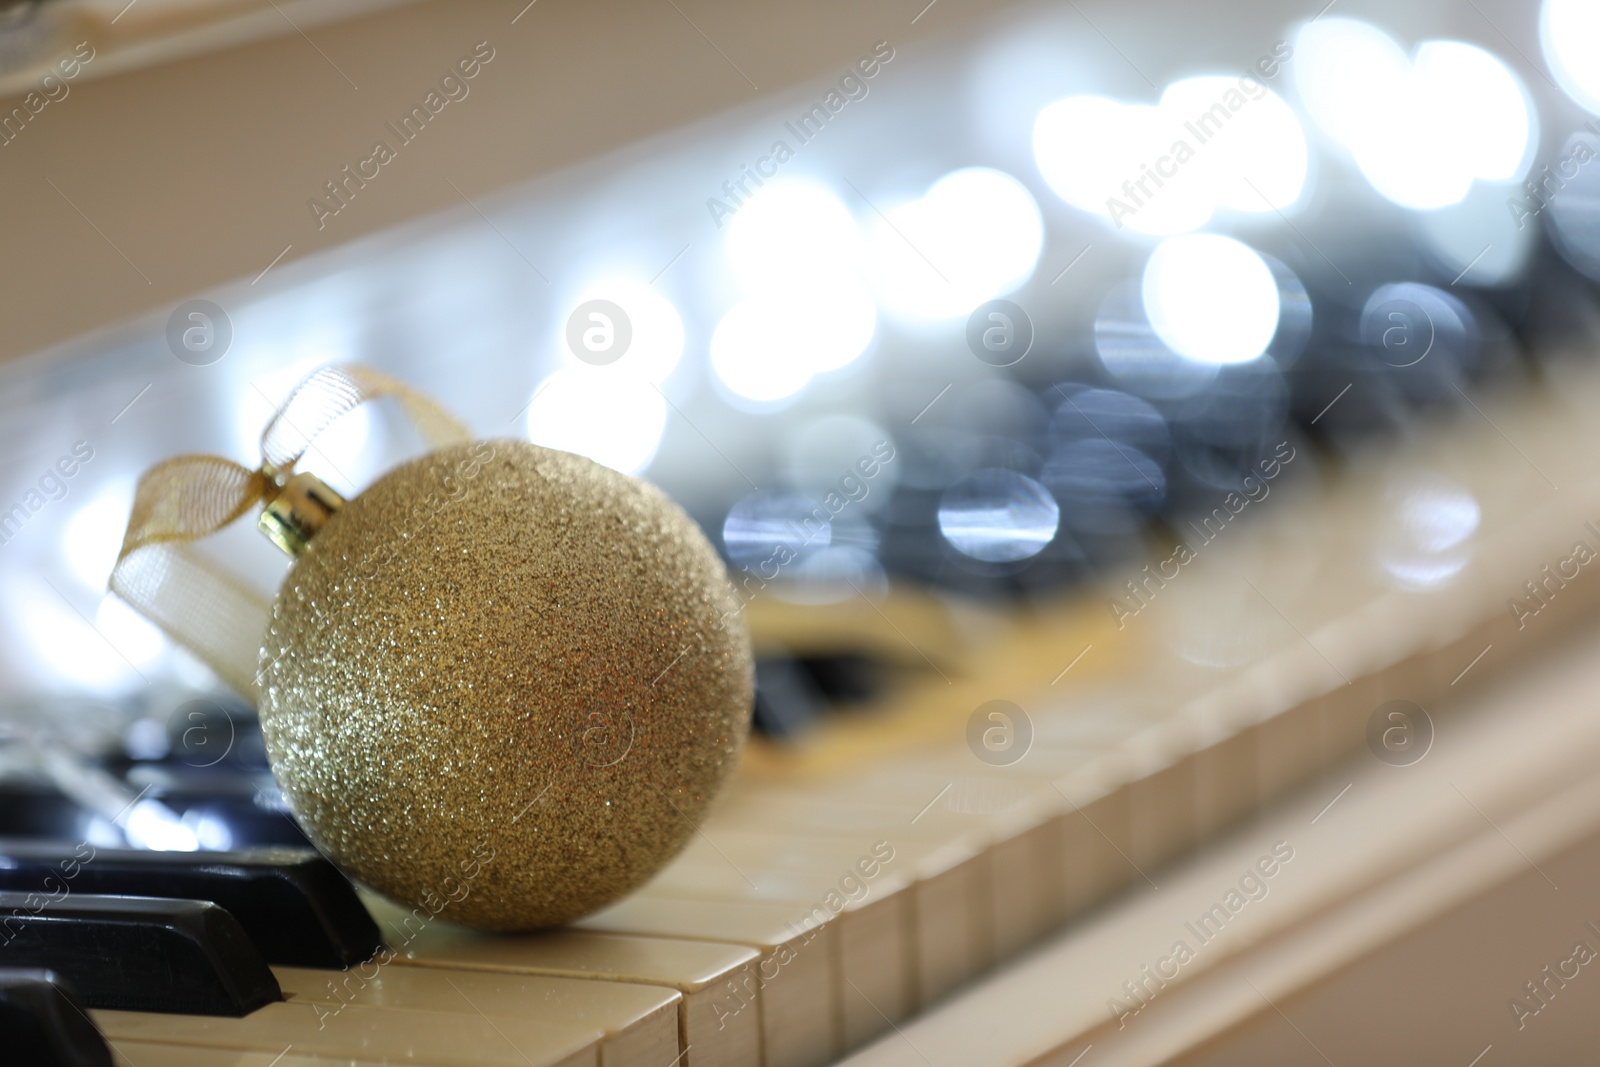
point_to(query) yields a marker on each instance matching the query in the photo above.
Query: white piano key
(357, 1032)
(639, 1022)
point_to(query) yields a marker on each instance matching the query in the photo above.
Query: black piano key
(35, 809)
(787, 700)
(847, 677)
(139, 953)
(247, 803)
(295, 905)
(43, 1024)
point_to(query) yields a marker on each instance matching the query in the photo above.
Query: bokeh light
(797, 255)
(1254, 158)
(1574, 215)
(1421, 131)
(1211, 298)
(1424, 538)
(996, 515)
(1425, 342)
(1569, 31)
(1135, 358)
(976, 235)
(93, 534)
(790, 233)
(767, 348)
(656, 345)
(614, 419)
(759, 524)
(1210, 143)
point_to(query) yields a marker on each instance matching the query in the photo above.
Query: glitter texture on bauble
(505, 680)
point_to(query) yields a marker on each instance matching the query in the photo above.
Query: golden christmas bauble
(504, 683)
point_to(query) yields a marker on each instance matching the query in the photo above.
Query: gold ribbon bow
(198, 604)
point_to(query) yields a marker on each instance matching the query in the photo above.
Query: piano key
(952, 923)
(39, 810)
(639, 1022)
(787, 701)
(294, 904)
(848, 677)
(1078, 857)
(713, 1031)
(951, 871)
(1095, 842)
(155, 1054)
(44, 1022)
(1160, 774)
(1023, 842)
(139, 953)
(954, 934)
(874, 938)
(248, 804)
(438, 1039)
(1226, 774)
(875, 930)
(1027, 868)
(879, 985)
(1388, 856)
(795, 979)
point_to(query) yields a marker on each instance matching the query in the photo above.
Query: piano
(1199, 677)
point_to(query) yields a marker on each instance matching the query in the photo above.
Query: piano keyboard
(842, 904)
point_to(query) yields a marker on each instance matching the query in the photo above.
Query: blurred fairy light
(756, 355)
(1135, 358)
(1477, 241)
(145, 822)
(796, 252)
(1255, 161)
(1106, 454)
(1210, 143)
(615, 420)
(768, 530)
(1482, 108)
(1426, 332)
(93, 535)
(1421, 131)
(60, 646)
(211, 832)
(1105, 484)
(1294, 314)
(1424, 539)
(1211, 298)
(996, 515)
(1345, 71)
(619, 340)
(788, 234)
(769, 347)
(1087, 413)
(654, 342)
(975, 235)
(152, 825)
(1574, 209)
(129, 632)
(1569, 31)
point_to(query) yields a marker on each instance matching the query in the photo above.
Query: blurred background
(991, 302)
